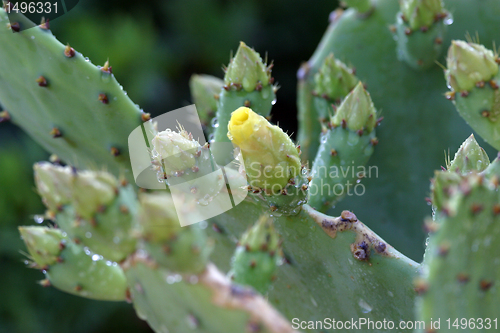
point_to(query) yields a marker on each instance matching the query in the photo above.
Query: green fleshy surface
(69, 102)
(419, 123)
(353, 152)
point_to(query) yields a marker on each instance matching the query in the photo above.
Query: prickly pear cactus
(457, 267)
(276, 262)
(66, 103)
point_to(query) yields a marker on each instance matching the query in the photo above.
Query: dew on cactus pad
(214, 122)
(38, 219)
(365, 307)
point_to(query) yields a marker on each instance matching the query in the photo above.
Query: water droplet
(95, 257)
(116, 239)
(38, 218)
(273, 102)
(211, 137)
(88, 234)
(32, 37)
(314, 302)
(214, 122)
(109, 263)
(171, 279)
(448, 20)
(87, 59)
(365, 308)
(323, 138)
(390, 293)
(203, 224)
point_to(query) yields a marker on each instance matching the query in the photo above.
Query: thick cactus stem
(257, 256)
(271, 159)
(248, 82)
(473, 75)
(205, 91)
(207, 302)
(345, 148)
(460, 274)
(92, 207)
(180, 249)
(72, 268)
(91, 128)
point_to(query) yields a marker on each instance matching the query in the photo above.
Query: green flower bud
(53, 184)
(85, 190)
(270, 157)
(441, 187)
(175, 151)
(247, 69)
(181, 249)
(469, 157)
(468, 64)
(356, 111)
(261, 237)
(257, 256)
(92, 190)
(44, 244)
(421, 13)
(158, 218)
(334, 79)
(203, 89)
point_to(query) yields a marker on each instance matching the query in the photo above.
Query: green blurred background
(154, 47)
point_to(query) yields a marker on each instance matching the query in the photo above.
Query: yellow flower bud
(270, 157)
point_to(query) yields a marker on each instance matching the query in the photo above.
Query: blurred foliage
(154, 47)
